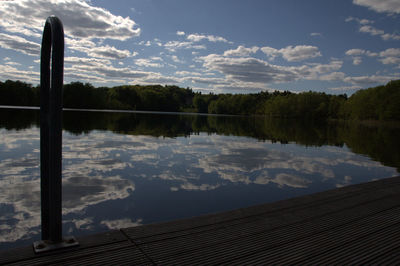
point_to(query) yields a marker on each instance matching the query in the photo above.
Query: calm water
(123, 170)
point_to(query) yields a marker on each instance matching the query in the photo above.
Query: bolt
(40, 246)
(70, 241)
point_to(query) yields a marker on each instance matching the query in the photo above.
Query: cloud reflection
(284, 180)
(80, 192)
(121, 223)
(190, 186)
(246, 161)
(83, 186)
(103, 166)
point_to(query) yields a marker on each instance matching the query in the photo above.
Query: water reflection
(122, 170)
(378, 142)
(84, 185)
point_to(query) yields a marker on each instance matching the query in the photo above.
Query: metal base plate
(46, 245)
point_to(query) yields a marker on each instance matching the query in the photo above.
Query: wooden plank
(264, 232)
(322, 243)
(273, 219)
(129, 255)
(386, 186)
(93, 245)
(261, 225)
(358, 224)
(370, 249)
(392, 257)
(189, 226)
(76, 254)
(249, 246)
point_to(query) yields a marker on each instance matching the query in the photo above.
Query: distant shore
(380, 103)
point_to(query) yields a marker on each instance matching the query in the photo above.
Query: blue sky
(217, 46)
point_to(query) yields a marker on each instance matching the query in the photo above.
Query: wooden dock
(358, 224)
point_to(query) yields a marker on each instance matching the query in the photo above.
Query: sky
(218, 46)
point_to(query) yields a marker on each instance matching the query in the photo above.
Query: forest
(378, 103)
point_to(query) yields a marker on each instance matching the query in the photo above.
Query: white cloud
(84, 25)
(176, 59)
(361, 21)
(241, 51)
(147, 63)
(80, 19)
(180, 33)
(188, 73)
(79, 44)
(334, 76)
(293, 53)
(156, 58)
(159, 79)
(207, 80)
(211, 38)
(366, 28)
(388, 36)
(12, 63)
(316, 71)
(356, 54)
(248, 69)
(107, 71)
(299, 52)
(84, 61)
(324, 68)
(270, 52)
(371, 54)
(147, 43)
(365, 21)
(315, 34)
(371, 30)
(372, 79)
(260, 73)
(352, 52)
(109, 52)
(391, 60)
(390, 56)
(238, 86)
(72, 75)
(346, 88)
(90, 48)
(12, 73)
(19, 44)
(157, 42)
(173, 45)
(357, 60)
(389, 6)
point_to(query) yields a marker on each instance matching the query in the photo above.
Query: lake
(127, 169)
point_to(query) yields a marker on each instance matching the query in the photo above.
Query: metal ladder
(51, 83)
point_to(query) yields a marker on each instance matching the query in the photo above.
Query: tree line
(378, 103)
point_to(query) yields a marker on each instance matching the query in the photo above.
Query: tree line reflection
(378, 141)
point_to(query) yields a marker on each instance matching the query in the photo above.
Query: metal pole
(51, 83)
